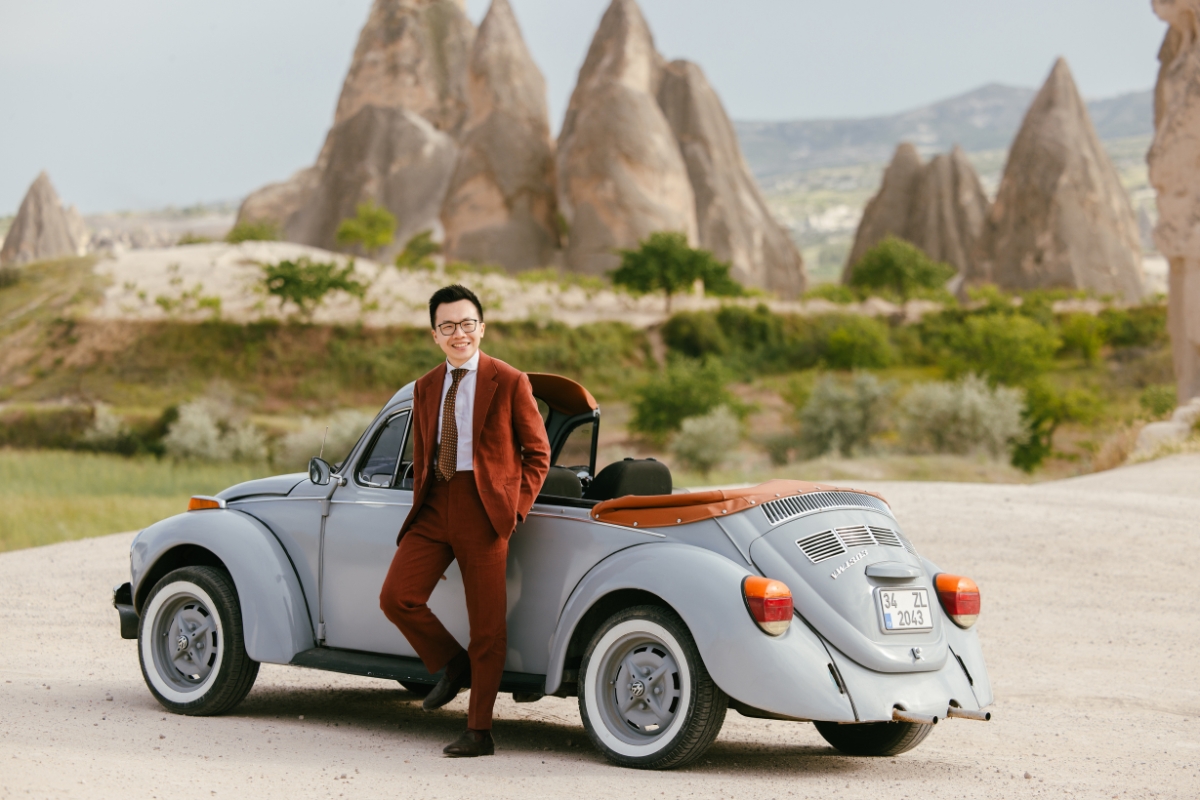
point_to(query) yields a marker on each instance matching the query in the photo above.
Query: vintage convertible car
(658, 610)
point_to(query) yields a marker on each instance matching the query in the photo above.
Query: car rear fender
(275, 613)
(967, 652)
(788, 675)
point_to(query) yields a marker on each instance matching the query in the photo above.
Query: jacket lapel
(485, 389)
(431, 396)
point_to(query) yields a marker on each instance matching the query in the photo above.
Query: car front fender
(789, 675)
(276, 621)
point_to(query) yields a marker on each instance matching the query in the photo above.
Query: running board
(399, 668)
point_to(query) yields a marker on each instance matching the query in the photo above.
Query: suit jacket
(510, 451)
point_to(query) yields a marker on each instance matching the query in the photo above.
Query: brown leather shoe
(456, 677)
(471, 744)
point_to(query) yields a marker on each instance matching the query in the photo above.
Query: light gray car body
(308, 561)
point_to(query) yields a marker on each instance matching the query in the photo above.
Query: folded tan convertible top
(666, 510)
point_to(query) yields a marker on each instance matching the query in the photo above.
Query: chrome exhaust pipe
(900, 715)
(961, 713)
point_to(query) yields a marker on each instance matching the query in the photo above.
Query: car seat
(562, 482)
(631, 476)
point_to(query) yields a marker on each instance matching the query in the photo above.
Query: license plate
(905, 609)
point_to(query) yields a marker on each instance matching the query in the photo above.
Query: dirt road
(1091, 626)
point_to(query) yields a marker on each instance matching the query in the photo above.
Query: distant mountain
(984, 119)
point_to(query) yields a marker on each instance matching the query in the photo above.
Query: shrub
(295, 449)
(900, 270)
(107, 429)
(664, 262)
(253, 231)
(57, 427)
(9, 276)
(695, 334)
(843, 417)
(961, 417)
(779, 446)
(192, 238)
(1158, 400)
(856, 342)
(208, 430)
(418, 252)
(1045, 409)
(684, 389)
(372, 228)
(1082, 334)
(705, 442)
(1140, 326)
(305, 283)
(1008, 348)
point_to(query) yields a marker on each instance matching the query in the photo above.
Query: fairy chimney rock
(1174, 160)
(411, 54)
(620, 172)
(411, 57)
(43, 229)
(1061, 218)
(501, 203)
(886, 213)
(732, 218)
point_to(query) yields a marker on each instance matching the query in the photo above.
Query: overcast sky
(136, 104)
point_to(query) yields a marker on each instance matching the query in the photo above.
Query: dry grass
(53, 496)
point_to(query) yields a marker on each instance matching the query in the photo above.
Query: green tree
(305, 283)
(665, 263)
(900, 270)
(418, 252)
(686, 388)
(372, 228)
(1009, 348)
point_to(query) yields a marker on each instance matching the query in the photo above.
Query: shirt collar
(471, 365)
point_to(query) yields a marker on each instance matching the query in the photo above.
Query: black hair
(452, 294)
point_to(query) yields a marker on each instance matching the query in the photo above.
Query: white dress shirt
(464, 408)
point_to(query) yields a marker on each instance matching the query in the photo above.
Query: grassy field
(54, 496)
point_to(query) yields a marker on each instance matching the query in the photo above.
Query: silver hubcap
(186, 642)
(642, 695)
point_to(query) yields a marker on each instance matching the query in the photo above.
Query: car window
(543, 409)
(379, 466)
(577, 451)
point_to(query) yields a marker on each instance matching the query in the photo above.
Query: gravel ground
(1090, 612)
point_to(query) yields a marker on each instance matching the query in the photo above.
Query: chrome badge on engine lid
(905, 609)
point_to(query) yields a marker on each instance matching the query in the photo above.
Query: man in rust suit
(480, 456)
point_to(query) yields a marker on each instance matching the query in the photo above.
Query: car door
(360, 540)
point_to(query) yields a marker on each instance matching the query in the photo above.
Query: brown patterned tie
(448, 449)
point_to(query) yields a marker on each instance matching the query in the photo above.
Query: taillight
(769, 603)
(960, 598)
(201, 502)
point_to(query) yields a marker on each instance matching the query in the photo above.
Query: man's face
(458, 346)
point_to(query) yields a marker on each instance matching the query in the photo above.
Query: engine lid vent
(836, 541)
(787, 508)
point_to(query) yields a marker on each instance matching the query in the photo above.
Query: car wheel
(645, 696)
(419, 689)
(874, 738)
(190, 643)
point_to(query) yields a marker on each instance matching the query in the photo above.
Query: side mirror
(319, 471)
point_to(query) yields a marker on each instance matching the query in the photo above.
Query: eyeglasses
(467, 325)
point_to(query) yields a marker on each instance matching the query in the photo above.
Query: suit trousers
(452, 524)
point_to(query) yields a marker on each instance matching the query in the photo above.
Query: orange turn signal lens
(200, 503)
(960, 598)
(769, 603)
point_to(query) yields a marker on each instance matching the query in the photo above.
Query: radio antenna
(323, 438)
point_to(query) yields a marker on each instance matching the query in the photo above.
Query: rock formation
(621, 176)
(389, 156)
(1061, 217)
(411, 55)
(646, 147)
(501, 206)
(43, 229)
(940, 207)
(732, 218)
(1174, 160)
